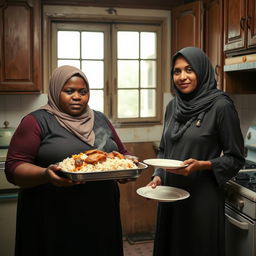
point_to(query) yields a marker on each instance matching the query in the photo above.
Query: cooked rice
(110, 164)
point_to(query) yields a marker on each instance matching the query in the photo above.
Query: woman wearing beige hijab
(56, 216)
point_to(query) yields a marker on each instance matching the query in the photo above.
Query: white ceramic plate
(165, 163)
(163, 193)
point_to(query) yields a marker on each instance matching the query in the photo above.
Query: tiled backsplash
(14, 107)
(245, 105)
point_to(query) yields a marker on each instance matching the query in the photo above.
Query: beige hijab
(81, 126)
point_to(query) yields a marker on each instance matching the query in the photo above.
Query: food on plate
(96, 160)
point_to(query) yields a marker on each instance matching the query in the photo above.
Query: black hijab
(193, 106)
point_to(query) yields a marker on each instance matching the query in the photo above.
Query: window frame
(137, 17)
(82, 27)
(141, 28)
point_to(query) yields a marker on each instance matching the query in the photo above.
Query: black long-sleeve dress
(79, 220)
(195, 226)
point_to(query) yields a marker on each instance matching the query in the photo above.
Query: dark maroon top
(27, 140)
(78, 220)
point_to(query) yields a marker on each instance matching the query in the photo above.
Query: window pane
(128, 73)
(68, 44)
(94, 70)
(148, 45)
(128, 103)
(92, 45)
(96, 100)
(75, 63)
(127, 45)
(148, 73)
(148, 106)
(131, 62)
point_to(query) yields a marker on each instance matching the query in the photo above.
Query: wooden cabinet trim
(251, 23)
(20, 67)
(186, 26)
(234, 32)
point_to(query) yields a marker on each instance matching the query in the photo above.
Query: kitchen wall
(14, 107)
(245, 105)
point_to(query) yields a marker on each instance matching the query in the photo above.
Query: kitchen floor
(138, 249)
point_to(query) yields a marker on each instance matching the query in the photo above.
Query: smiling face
(74, 96)
(184, 76)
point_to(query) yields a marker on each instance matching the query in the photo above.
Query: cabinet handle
(216, 70)
(249, 21)
(242, 22)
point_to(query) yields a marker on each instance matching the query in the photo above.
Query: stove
(246, 178)
(240, 204)
(249, 165)
(244, 183)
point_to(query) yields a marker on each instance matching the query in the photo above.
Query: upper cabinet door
(213, 37)
(234, 24)
(239, 26)
(251, 23)
(186, 21)
(20, 46)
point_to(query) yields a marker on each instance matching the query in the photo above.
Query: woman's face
(184, 76)
(74, 96)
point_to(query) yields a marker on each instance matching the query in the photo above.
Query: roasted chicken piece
(94, 158)
(79, 162)
(93, 151)
(114, 154)
(110, 155)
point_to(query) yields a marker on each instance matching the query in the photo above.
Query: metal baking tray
(106, 175)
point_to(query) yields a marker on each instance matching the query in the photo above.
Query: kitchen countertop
(3, 153)
(248, 170)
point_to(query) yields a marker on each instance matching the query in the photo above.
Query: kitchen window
(123, 61)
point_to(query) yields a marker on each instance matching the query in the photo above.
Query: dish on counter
(163, 193)
(165, 163)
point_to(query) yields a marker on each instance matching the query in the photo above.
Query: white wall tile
(14, 107)
(125, 134)
(2, 109)
(30, 103)
(237, 100)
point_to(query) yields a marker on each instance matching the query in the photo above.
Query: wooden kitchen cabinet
(20, 46)
(239, 26)
(191, 22)
(213, 37)
(138, 214)
(186, 26)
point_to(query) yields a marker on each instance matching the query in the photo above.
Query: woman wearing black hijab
(202, 129)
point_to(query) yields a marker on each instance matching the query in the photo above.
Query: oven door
(240, 233)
